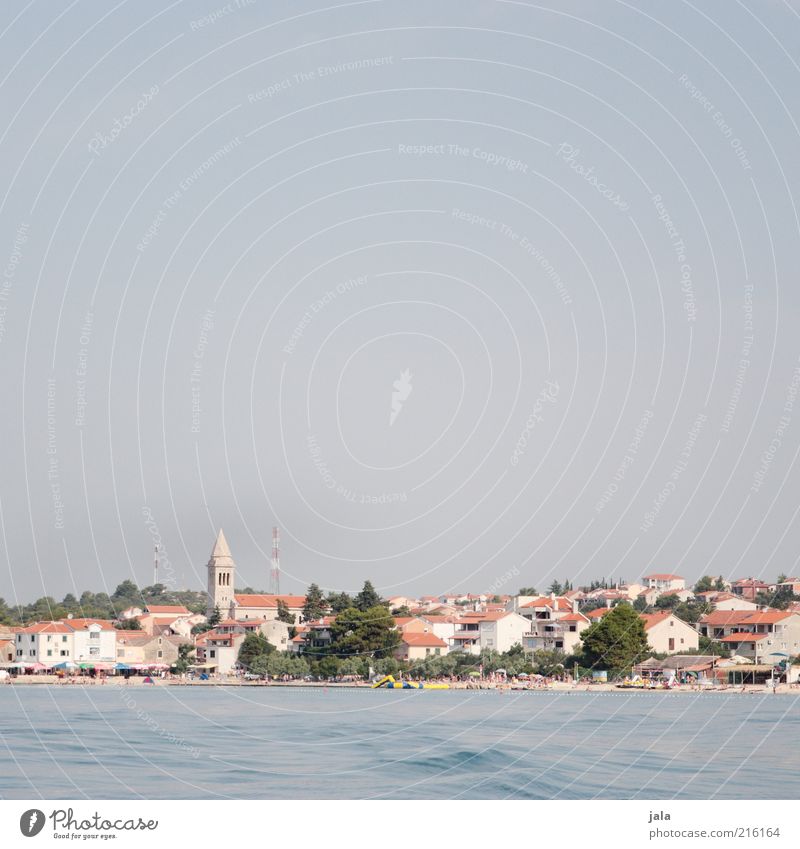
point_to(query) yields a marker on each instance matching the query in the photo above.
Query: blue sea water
(277, 743)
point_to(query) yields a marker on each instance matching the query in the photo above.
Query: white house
(93, 641)
(662, 581)
(44, 642)
(562, 633)
(666, 634)
(500, 630)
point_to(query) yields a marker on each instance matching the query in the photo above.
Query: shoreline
(555, 687)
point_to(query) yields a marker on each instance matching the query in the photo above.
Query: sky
(459, 295)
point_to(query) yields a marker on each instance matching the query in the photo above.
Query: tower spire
(221, 577)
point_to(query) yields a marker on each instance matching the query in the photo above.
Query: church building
(242, 606)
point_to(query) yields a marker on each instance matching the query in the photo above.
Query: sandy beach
(233, 681)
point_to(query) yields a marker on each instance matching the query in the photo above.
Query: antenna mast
(275, 572)
(155, 565)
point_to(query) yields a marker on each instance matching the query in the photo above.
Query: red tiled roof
(46, 628)
(741, 617)
(558, 603)
(417, 639)
(167, 609)
(572, 617)
(495, 615)
(80, 624)
(743, 637)
(652, 619)
(662, 576)
(259, 600)
(767, 617)
(598, 612)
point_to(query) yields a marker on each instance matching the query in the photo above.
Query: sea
(159, 742)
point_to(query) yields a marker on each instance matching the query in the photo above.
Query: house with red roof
(264, 606)
(498, 630)
(75, 640)
(749, 588)
(763, 636)
(723, 600)
(418, 645)
(47, 643)
(663, 581)
(169, 618)
(667, 634)
(560, 633)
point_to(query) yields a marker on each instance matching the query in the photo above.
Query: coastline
(554, 687)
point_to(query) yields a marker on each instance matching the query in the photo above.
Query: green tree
(185, 657)
(705, 584)
(253, 646)
(547, 662)
(691, 611)
(338, 602)
(667, 602)
(556, 588)
(527, 591)
(708, 646)
(616, 641)
(403, 610)
(215, 618)
(367, 598)
(284, 614)
(126, 591)
(357, 633)
(128, 625)
(314, 607)
(640, 604)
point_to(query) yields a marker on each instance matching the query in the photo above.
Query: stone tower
(221, 576)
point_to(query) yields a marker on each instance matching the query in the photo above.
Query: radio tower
(155, 565)
(275, 572)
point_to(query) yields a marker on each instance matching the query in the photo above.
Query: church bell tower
(221, 576)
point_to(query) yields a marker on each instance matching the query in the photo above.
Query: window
(212, 653)
(672, 644)
(94, 635)
(49, 652)
(94, 651)
(64, 638)
(64, 653)
(160, 654)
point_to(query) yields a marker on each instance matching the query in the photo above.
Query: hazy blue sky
(227, 230)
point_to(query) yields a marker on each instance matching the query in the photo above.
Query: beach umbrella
(66, 664)
(37, 667)
(122, 667)
(522, 675)
(474, 674)
(86, 665)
